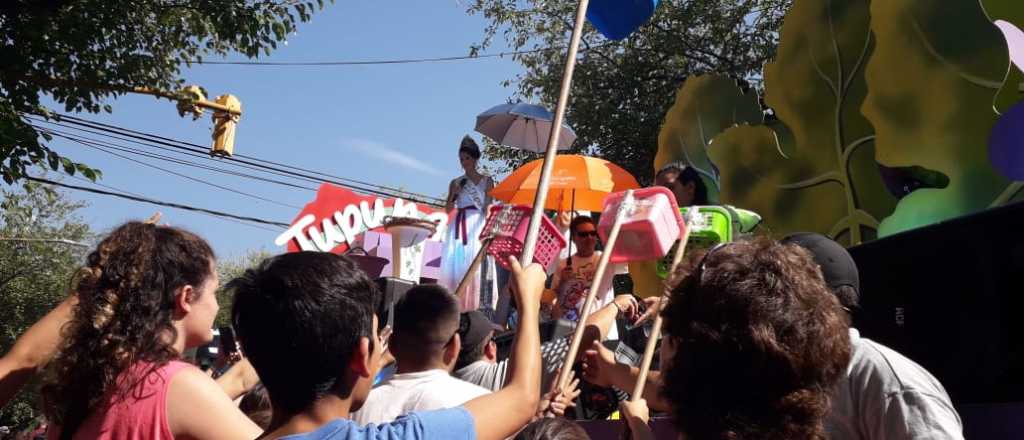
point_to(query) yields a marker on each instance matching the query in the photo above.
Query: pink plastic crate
(649, 229)
(509, 224)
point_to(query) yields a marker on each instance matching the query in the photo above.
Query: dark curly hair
(760, 343)
(126, 294)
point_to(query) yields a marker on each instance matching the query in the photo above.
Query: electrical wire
(377, 62)
(130, 149)
(187, 151)
(45, 240)
(198, 151)
(254, 162)
(184, 176)
(160, 202)
(251, 225)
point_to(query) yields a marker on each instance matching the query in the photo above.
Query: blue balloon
(616, 19)
(1006, 143)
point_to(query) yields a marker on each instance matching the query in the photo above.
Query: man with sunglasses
(426, 344)
(575, 274)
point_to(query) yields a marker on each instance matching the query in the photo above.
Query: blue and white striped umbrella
(523, 126)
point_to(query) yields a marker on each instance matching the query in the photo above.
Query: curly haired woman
(145, 295)
(755, 344)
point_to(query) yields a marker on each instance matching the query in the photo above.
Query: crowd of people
(757, 345)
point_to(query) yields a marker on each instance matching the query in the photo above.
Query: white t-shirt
(886, 396)
(420, 391)
(572, 283)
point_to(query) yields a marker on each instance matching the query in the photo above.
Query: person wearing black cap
(885, 395)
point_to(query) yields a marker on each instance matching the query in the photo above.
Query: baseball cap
(837, 266)
(474, 327)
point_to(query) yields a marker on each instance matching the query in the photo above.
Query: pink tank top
(142, 414)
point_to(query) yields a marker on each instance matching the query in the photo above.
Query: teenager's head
(146, 293)
(583, 230)
(685, 183)
(476, 334)
(469, 153)
(755, 343)
(426, 329)
(307, 322)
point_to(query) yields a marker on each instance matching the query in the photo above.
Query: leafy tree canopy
(81, 53)
(42, 242)
(622, 89)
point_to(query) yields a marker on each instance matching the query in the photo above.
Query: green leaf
(705, 106)
(54, 160)
(821, 176)
(935, 70)
(69, 166)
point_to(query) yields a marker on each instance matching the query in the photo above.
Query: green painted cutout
(930, 97)
(824, 177)
(705, 106)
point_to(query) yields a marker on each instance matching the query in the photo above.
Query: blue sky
(395, 125)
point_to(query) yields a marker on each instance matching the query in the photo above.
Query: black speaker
(392, 290)
(948, 296)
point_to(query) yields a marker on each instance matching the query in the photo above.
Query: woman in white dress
(469, 195)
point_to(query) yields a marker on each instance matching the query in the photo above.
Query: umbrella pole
(572, 209)
(602, 266)
(477, 260)
(645, 363)
(556, 127)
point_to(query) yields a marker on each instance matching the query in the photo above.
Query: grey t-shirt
(886, 396)
(492, 375)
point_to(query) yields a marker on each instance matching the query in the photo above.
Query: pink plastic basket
(648, 230)
(508, 224)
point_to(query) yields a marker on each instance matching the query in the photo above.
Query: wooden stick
(477, 260)
(556, 128)
(645, 363)
(602, 266)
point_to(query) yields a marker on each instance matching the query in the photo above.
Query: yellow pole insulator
(224, 123)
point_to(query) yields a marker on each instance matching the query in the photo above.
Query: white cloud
(391, 156)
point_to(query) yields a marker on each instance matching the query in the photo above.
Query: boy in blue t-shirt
(308, 325)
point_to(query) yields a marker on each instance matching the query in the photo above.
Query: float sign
(338, 218)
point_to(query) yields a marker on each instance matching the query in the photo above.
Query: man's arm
(33, 350)
(499, 415)
(600, 368)
(239, 379)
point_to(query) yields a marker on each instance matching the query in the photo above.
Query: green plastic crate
(714, 224)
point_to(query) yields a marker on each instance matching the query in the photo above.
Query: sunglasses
(586, 234)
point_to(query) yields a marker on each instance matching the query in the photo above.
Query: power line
(377, 62)
(160, 203)
(251, 225)
(188, 150)
(179, 161)
(194, 179)
(45, 240)
(251, 162)
(202, 150)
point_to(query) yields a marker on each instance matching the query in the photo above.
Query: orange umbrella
(577, 182)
